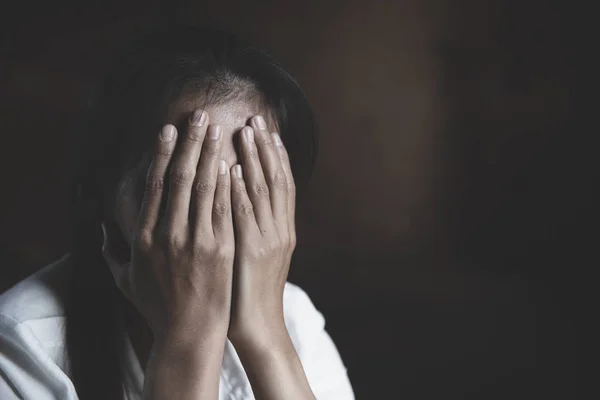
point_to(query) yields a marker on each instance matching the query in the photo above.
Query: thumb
(118, 270)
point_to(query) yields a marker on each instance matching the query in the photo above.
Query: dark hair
(125, 115)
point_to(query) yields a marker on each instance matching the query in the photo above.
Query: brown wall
(423, 233)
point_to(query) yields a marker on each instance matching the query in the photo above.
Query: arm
(321, 362)
(180, 274)
(185, 369)
(273, 367)
(263, 200)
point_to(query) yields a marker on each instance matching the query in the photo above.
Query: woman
(176, 284)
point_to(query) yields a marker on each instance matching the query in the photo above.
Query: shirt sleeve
(6, 391)
(320, 358)
(26, 371)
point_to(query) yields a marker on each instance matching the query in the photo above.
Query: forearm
(179, 368)
(274, 368)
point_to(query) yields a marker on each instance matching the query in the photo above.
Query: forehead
(231, 115)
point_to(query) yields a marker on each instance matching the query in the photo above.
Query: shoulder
(32, 322)
(39, 296)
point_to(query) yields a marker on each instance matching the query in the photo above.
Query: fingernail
(214, 132)
(237, 171)
(167, 133)
(277, 140)
(260, 122)
(198, 117)
(249, 134)
(223, 167)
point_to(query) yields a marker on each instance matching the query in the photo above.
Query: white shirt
(32, 346)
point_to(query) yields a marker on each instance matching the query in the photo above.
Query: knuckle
(283, 156)
(276, 244)
(267, 140)
(284, 239)
(245, 208)
(290, 241)
(221, 208)
(239, 188)
(224, 253)
(268, 250)
(182, 176)
(175, 244)
(204, 187)
(262, 252)
(144, 240)
(261, 189)
(224, 185)
(210, 250)
(251, 153)
(280, 180)
(171, 240)
(291, 187)
(202, 248)
(154, 184)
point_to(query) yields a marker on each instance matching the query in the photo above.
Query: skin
(213, 265)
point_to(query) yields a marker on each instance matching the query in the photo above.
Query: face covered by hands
(242, 262)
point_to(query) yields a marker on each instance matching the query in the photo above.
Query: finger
(291, 186)
(255, 183)
(243, 209)
(206, 180)
(155, 178)
(183, 172)
(222, 220)
(118, 270)
(272, 170)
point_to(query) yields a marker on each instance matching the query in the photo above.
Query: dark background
(444, 236)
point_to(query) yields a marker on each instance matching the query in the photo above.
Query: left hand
(263, 202)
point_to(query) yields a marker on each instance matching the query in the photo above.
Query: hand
(263, 199)
(180, 274)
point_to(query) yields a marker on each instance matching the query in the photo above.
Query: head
(161, 79)
(237, 101)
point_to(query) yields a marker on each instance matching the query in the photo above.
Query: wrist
(184, 364)
(273, 359)
(261, 338)
(187, 337)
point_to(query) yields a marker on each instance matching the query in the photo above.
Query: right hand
(180, 273)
